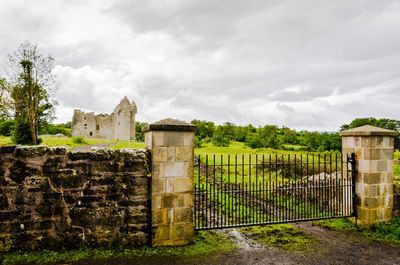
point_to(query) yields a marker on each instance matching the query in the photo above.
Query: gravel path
(87, 148)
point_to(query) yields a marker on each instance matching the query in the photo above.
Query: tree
(5, 100)
(32, 83)
(389, 124)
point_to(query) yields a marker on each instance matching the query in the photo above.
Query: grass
(128, 144)
(61, 141)
(388, 231)
(284, 236)
(205, 242)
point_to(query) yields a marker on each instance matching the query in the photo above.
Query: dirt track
(332, 247)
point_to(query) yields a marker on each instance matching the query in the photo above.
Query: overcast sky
(304, 64)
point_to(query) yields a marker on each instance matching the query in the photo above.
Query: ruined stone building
(118, 125)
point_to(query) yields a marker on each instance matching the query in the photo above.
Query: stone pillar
(374, 149)
(171, 145)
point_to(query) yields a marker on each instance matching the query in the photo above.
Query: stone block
(183, 215)
(171, 153)
(364, 165)
(158, 138)
(173, 200)
(156, 202)
(184, 153)
(188, 139)
(158, 185)
(58, 150)
(183, 184)
(157, 169)
(372, 154)
(182, 232)
(387, 154)
(174, 169)
(159, 154)
(189, 169)
(173, 138)
(366, 142)
(148, 140)
(170, 185)
(161, 234)
(159, 217)
(29, 151)
(374, 202)
(372, 178)
(8, 149)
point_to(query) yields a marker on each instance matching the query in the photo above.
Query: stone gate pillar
(374, 149)
(171, 145)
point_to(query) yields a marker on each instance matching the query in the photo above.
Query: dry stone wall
(51, 198)
(396, 199)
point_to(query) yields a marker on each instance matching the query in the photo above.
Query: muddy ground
(331, 247)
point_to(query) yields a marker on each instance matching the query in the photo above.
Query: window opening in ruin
(91, 134)
(97, 127)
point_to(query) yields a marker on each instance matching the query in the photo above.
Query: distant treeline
(272, 136)
(268, 136)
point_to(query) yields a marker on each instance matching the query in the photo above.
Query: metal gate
(234, 191)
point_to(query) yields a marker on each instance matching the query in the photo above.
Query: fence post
(171, 143)
(374, 149)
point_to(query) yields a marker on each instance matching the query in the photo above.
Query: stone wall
(396, 199)
(51, 198)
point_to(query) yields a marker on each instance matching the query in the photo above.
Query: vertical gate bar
(320, 189)
(325, 187)
(353, 185)
(236, 190)
(222, 195)
(243, 190)
(213, 195)
(307, 191)
(336, 186)
(312, 204)
(330, 186)
(248, 197)
(229, 190)
(289, 191)
(198, 193)
(342, 182)
(269, 197)
(301, 186)
(256, 193)
(206, 195)
(295, 192)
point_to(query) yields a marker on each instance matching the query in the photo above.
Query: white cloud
(302, 64)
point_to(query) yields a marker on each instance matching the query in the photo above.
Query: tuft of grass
(389, 231)
(79, 140)
(205, 242)
(284, 236)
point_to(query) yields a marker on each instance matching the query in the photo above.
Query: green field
(59, 141)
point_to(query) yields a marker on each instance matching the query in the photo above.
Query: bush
(7, 127)
(197, 142)
(79, 140)
(47, 128)
(220, 140)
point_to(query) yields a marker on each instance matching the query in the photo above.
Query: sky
(303, 64)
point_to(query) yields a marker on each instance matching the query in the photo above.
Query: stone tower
(118, 125)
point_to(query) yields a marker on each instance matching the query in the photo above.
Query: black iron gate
(234, 191)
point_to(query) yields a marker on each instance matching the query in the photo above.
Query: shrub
(7, 127)
(79, 140)
(220, 140)
(197, 142)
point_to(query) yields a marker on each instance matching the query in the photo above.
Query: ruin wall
(51, 198)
